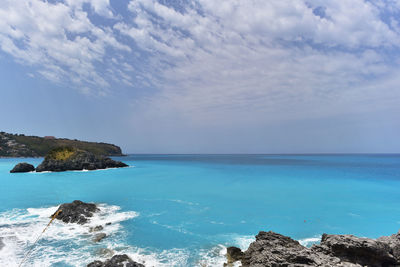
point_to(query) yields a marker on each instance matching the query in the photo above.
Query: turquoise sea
(183, 210)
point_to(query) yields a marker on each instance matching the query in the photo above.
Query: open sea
(184, 210)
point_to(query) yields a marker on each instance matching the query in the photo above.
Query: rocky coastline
(273, 249)
(20, 145)
(270, 249)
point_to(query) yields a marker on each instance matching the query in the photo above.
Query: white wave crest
(66, 244)
(307, 242)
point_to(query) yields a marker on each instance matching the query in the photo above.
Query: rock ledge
(272, 249)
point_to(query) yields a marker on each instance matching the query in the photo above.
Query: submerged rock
(76, 212)
(1, 243)
(23, 167)
(98, 237)
(272, 249)
(116, 261)
(69, 159)
(96, 228)
(105, 252)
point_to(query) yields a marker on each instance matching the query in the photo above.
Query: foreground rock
(116, 261)
(272, 249)
(67, 159)
(76, 212)
(23, 167)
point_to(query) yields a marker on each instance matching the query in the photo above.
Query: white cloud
(205, 58)
(264, 59)
(59, 39)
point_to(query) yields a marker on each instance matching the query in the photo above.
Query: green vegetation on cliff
(61, 153)
(18, 145)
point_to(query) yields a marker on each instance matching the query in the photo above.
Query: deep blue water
(182, 210)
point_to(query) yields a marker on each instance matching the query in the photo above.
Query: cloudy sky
(204, 76)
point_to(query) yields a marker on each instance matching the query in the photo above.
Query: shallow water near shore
(183, 210)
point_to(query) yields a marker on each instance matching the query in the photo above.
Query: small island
(70, 159)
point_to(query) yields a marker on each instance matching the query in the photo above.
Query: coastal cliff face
(18, 145)
(67, 159)
(272, 249)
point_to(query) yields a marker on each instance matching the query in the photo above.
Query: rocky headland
(20, 145)
(276, 250)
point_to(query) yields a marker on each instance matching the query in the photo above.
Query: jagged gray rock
(393, 242)
(116, 261)
(363, 251)
(272, 249)
(23, 167)
(76, 212)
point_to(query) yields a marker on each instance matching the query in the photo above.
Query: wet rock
(76, 212)
(116, 261)
(98, 237)
(96, 228)
(105, 252)
(233, 254)
(23, 167)
(2, 245)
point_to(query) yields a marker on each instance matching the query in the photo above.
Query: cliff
(19, 145)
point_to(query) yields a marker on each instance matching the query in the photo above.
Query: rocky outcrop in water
(76, 212)
(272, 249)
(98, 237)
(23, 167)
(67, 159)
(116, 261)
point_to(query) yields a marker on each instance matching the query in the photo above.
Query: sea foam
(71, 244)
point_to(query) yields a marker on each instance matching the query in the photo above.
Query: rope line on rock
(39, 236)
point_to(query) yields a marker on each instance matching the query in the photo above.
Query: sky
(204, 76)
